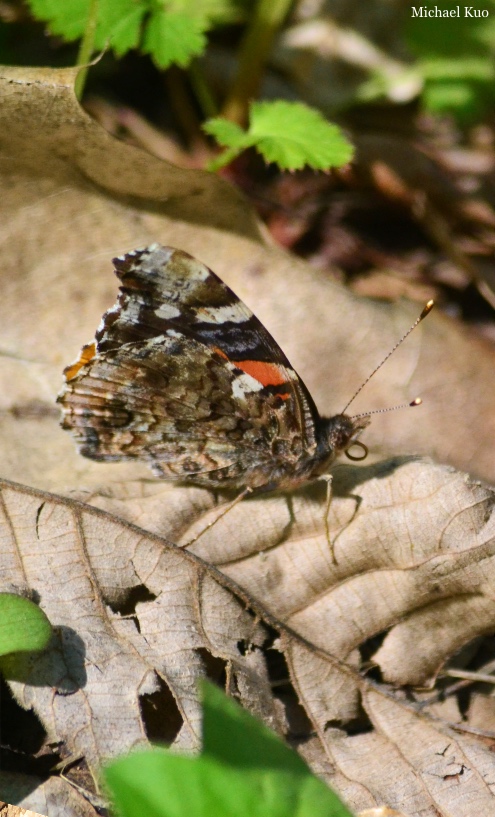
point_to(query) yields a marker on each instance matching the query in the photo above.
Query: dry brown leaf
(411, 541)
(51, 798)
(394, 565)
(72, 197)
(84, 566)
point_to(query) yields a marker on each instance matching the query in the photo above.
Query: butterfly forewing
(184, 376)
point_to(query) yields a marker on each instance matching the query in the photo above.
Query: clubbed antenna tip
(426, 310)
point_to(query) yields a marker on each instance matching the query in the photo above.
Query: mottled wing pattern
(184, 376)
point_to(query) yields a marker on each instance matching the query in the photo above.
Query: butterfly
(183, 376)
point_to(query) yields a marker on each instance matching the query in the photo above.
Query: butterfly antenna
(428, 307)
(416, 402)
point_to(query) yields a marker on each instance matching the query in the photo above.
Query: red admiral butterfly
(186, 378)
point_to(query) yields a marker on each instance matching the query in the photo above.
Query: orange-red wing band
(268, 374)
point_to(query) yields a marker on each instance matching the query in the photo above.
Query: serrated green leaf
(293, 135)
(23, 626)
(227, 133)
(174, 32)
(288, 133)
(65, 19)
(120, 24)
(174, 37)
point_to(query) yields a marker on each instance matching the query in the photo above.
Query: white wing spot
(167, 311)
(244, 384)
(221, 314)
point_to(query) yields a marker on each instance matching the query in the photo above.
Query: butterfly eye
(357, 444)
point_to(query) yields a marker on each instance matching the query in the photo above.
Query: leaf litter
(322, 612)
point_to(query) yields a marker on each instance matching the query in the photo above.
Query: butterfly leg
(223, 513)
(327, 478)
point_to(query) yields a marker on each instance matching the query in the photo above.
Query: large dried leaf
(72, 197)
(81, 564)
(394, 568)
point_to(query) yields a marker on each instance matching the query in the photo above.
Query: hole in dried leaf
(160, 713)
(216, 668)
(126, 606)
(23, 737)
(360, 725)
(278, 670)
(243, 647)
(299, 725)
(367, 650)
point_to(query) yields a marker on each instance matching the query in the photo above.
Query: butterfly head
(340, 433)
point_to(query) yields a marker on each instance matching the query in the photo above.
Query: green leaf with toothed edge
(288, 133)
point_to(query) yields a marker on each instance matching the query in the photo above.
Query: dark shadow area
(61, 665)
(20, 729)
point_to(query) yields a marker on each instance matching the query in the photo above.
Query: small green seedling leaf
(67, 19)
(118, 23)
(288, 133)
(245, 771)
(23, 626)
(174, 38)
(169, 32)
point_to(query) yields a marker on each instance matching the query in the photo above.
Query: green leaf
(66, 19)
(171, 31)
(174, 37)
(288, 133)
(23, 626)
(294, 135)
(244, 771)
(226, 133)
(250, 743)
(120, 24)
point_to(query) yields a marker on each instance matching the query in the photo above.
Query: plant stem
(86, 48)
(223, 159)
(201, 90)
(180, 101)
(254, 52)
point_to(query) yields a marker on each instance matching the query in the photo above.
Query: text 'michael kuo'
(455, 11)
